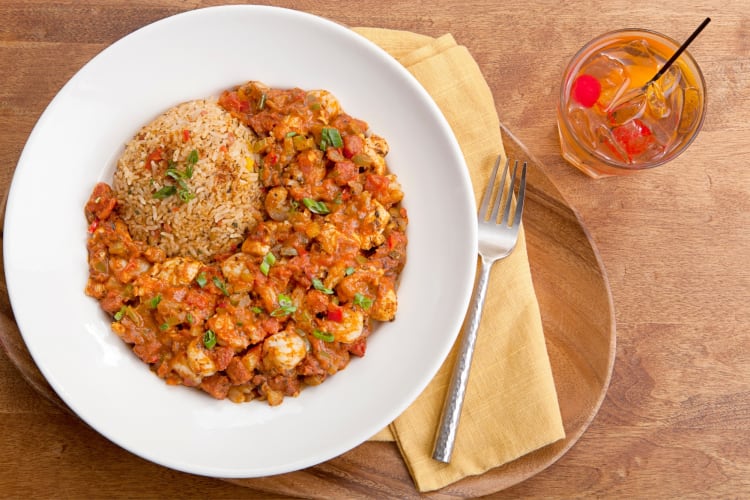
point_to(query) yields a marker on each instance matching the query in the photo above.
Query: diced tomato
(232, 103)
(185, 135)
(156, 155)
(335, 314)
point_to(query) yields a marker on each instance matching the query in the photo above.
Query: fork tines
(494, 197)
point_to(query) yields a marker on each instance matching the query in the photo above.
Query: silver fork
(496, 241)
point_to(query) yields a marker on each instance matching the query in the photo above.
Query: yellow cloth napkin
(511, 405)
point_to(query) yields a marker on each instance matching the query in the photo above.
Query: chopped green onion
(209, 339)
(265, 267)
(318, 285)
(256, 309)
(286, 306)
(262, 101)
(174, 174)
(154, 302)
(330, 136)
(316, 207)
(192, 159)
(291, 134)
(189, 318)
(349, 271)
(268, 260)
(183, 191)
(324, 336)
(362, 301)
(119, 314)
(220, 285)
(164, 326)
(165, 192)
(201, 280)
(185, 195)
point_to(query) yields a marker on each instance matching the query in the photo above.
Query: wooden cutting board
(579, 326)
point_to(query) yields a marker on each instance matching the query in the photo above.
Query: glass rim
(576, 61)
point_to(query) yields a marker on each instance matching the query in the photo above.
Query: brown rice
(199, 192)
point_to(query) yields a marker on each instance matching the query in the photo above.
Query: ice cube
(690, 110)
(657, 103)
(611, 75)
(665, 128)
(636, 139)
(608, 147)
(664, 96)
(669, 80)
(630, 109)
(583, 122)
(653, 150)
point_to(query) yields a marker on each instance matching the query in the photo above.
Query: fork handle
(445, 437)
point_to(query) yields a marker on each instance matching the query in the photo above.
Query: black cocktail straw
(679, 51)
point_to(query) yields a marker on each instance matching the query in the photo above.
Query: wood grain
(674, 242)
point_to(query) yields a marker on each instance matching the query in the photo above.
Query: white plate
(75, 144)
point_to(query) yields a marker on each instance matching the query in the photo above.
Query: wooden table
(675, 242)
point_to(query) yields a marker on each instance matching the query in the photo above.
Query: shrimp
(198, 359)
(329, 105)
(333, 241)
(179, 364)
(227, 333)
(236, 270)
(376, 148)
(176, 271)
(283, 351)
(350, 327)
(255, 247)
(276, 203)
(364, 281)
(386, 303)
(373, 225)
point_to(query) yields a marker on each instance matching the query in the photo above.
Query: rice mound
(207, 210)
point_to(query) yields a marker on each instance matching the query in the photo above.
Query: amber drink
(611, 121)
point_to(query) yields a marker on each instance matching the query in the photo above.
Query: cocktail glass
(611, 120)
